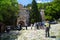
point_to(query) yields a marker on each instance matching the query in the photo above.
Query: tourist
(8, 28)
(37, 26)
(19, 27)
(47, 25)
(42, 25)
(31, 26)
(34, 25)
(26, 26)
(0, 26)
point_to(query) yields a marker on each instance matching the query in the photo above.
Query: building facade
(23, 16)
(42, 14)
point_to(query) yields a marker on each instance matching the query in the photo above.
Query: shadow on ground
(52, 36)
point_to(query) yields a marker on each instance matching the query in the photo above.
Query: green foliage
(35, 15)
(1, 19)
(32, 20)
(8, 11)
(52, 9)
(48, 17)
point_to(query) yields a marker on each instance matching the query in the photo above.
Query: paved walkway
(40, 34)
(33, 34)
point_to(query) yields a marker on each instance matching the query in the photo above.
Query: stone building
(42, 14)
(23, 16)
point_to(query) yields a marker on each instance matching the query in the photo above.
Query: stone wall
(23, 15)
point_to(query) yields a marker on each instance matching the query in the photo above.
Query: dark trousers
(26, 27)
(20, 27)
(47, 32)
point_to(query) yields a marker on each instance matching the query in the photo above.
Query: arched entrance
(22, 23)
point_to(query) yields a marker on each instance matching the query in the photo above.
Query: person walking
(26, 26)
(19, 27)
(8, 28)
(37, 26)
(0, 26)
(31, 26)
(47, 25)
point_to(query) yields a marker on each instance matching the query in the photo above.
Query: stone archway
(22, 23)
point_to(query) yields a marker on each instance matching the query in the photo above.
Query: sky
(26, 2)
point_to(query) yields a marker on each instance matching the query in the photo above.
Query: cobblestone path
(40, 34)
(33, 34)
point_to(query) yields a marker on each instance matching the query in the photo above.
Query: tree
(53, 9)
(56, 8)
(8, 11)
(35, 15)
